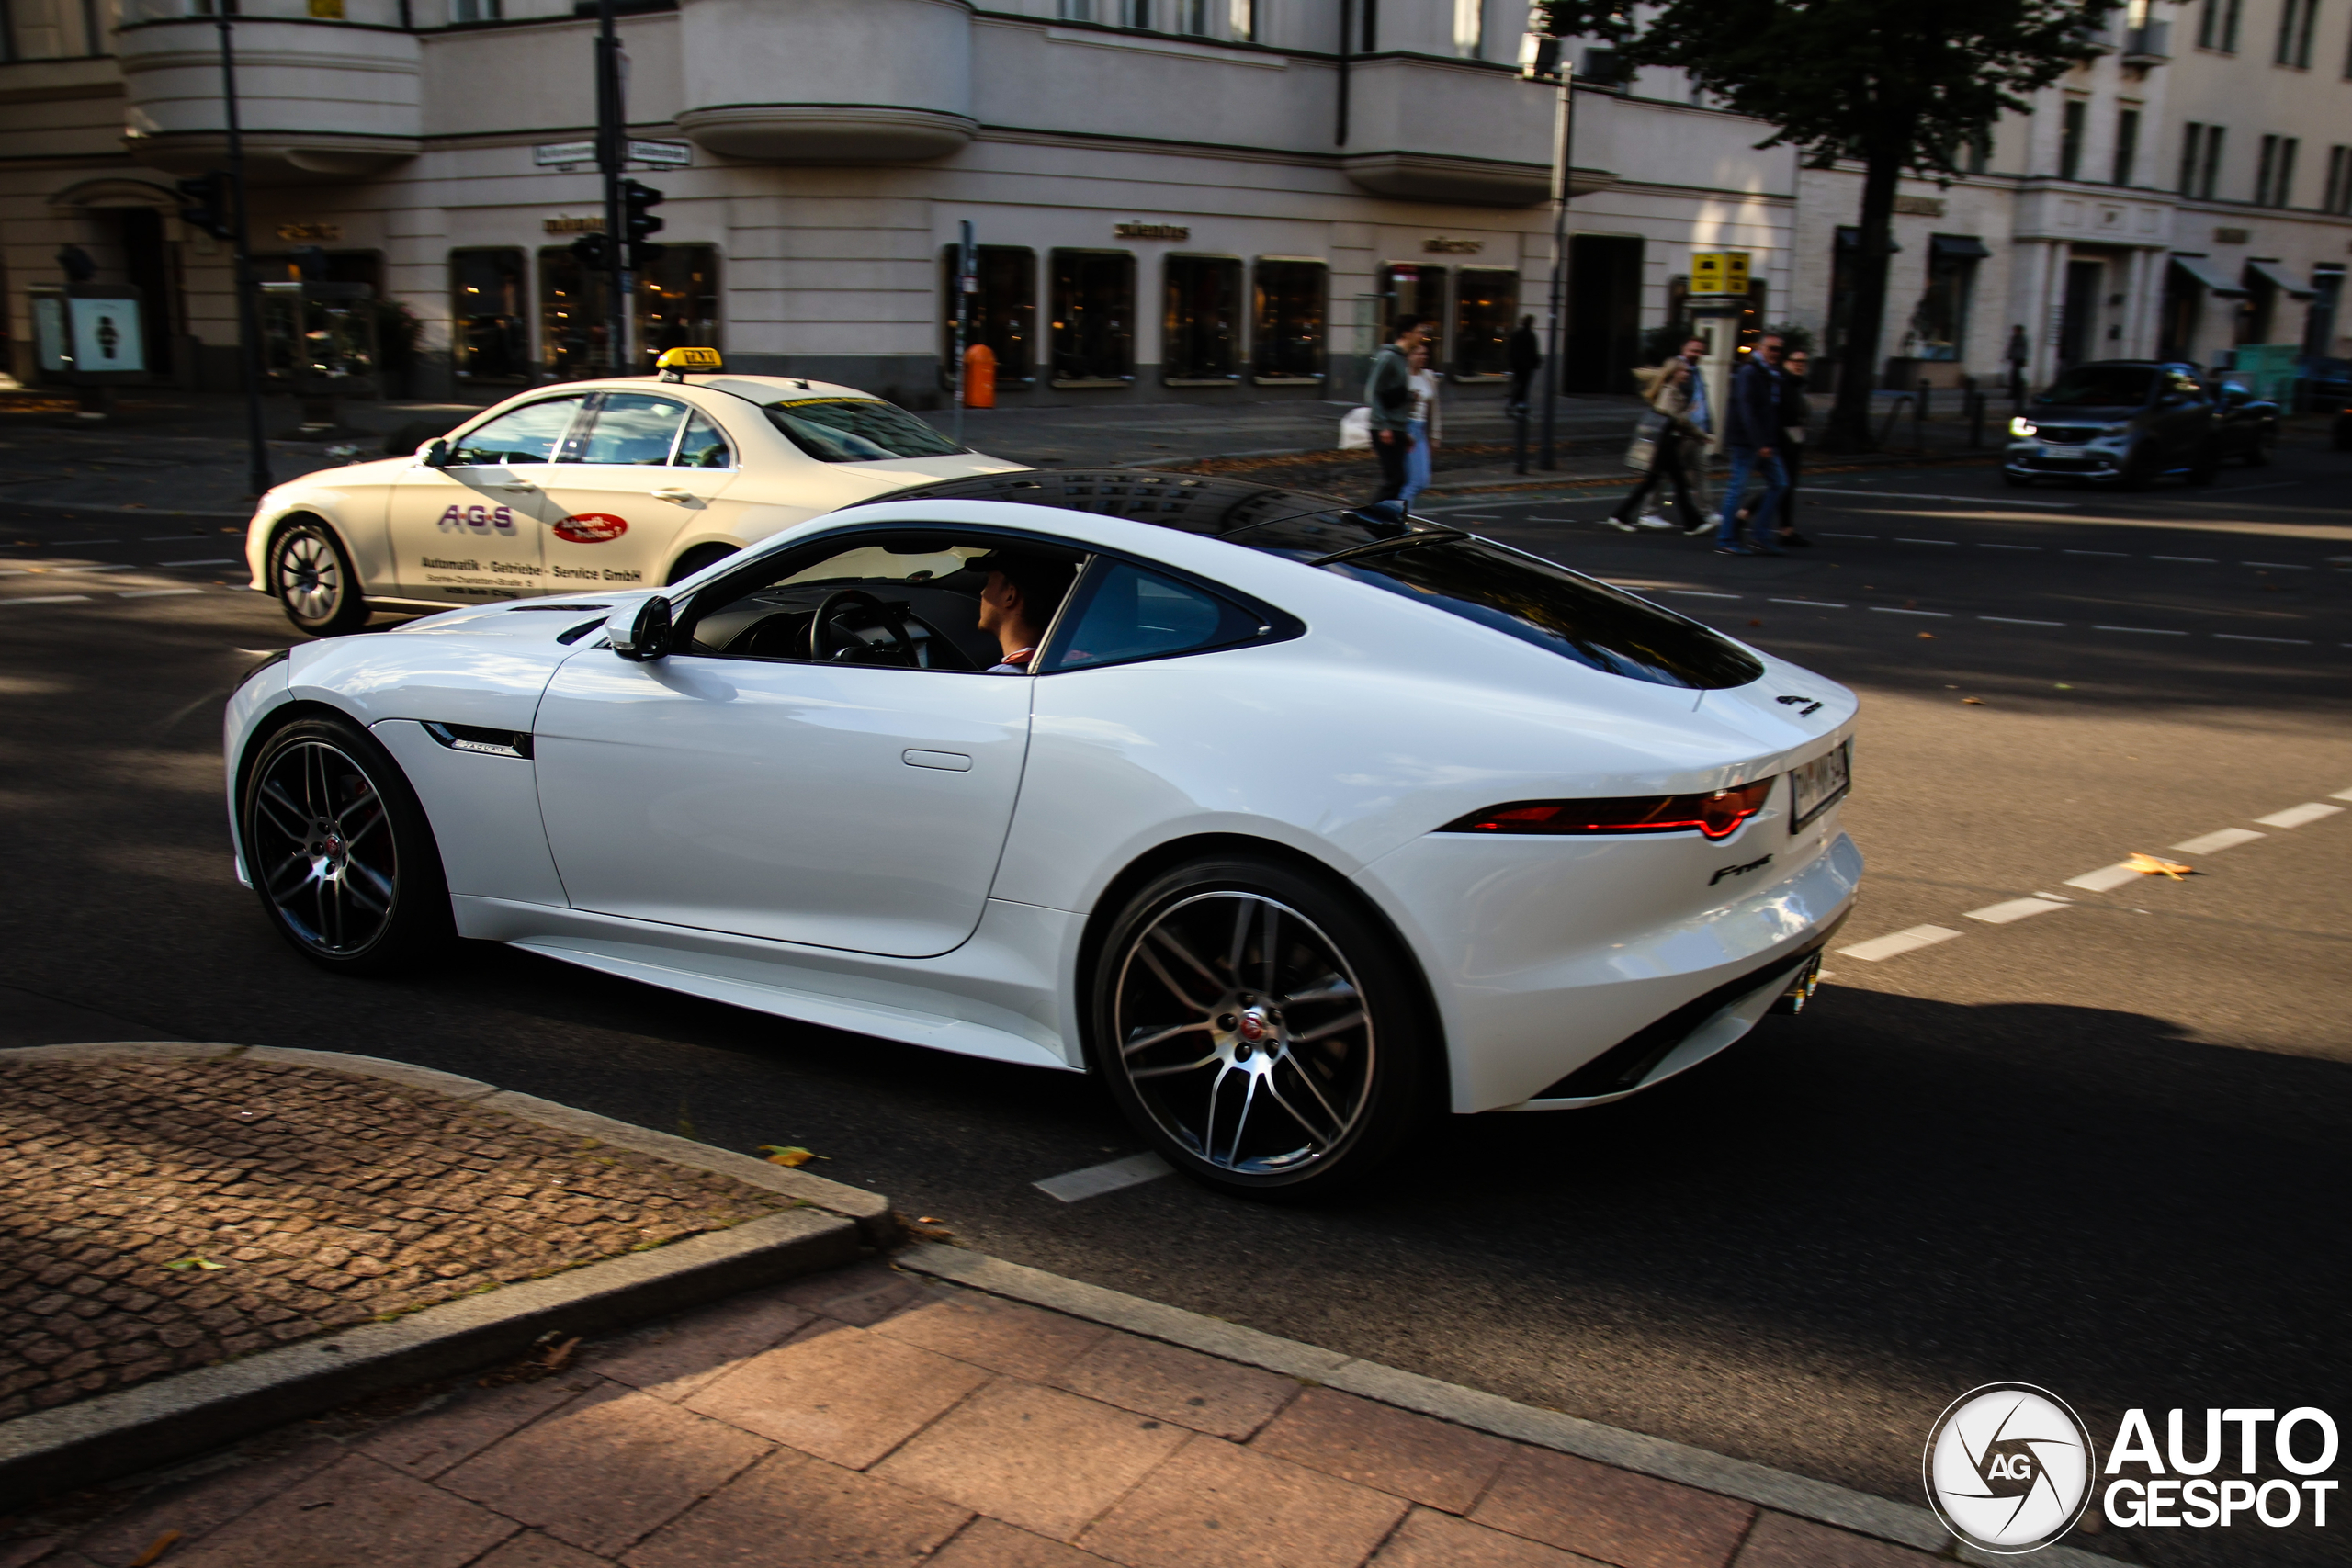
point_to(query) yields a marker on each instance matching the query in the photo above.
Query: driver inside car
(1018, 604)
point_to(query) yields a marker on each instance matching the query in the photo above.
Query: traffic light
(594, 252)
(205, 205)
(638, 224)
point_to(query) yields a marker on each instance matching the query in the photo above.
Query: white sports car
(1292, 821)
(588, 485)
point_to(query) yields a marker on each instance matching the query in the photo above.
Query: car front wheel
(311, 576)
(1261, 1028)
(337, 846)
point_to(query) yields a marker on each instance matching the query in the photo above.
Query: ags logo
(591, 528)
(481, 519)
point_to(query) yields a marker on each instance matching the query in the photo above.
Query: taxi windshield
(857, 430)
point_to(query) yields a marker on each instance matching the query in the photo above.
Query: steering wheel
(829, 645)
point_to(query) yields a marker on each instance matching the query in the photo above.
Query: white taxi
(587, 486)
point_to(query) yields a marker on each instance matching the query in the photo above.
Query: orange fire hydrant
(979, 377)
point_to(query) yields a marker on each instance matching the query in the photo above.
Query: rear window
(1574, 617)
(857, 430)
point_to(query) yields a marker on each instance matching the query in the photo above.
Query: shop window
(1290, 308)
(574, 317)
(1414, 288)
(1093, 305)
(677, 302)
(1201, 332)
(1939, 324)
(1002, 311)
(490, 337)
(1486, 308)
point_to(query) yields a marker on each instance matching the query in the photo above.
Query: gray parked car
(2124, 423)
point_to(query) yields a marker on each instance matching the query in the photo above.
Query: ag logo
(2008, 1467)
(591, 528)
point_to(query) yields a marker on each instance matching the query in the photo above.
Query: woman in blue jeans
(1424, 424)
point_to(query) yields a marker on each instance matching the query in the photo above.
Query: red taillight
(1716, 815)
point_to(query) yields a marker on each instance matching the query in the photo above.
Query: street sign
(559, 154)
(1718, 272)
(671, 154)
(546, 154)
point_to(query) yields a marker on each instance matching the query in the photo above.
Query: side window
(633, 428)
(702, 447)
(1128, 613)
(528, 435)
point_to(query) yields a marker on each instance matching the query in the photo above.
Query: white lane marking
(1816, 604)
(2193, 560)
(1109, 1176)
(51, 599)
(2214, 842)
(1891, 610)
(2105, 879)
(2278, 565)
(2118, 555)
(1828, 534)
(1696, 593)
(1902, 541)
(2341, 794)
(1909, 940)
(2015, 621)
(156, 592)
(1963, 500)
(2143, 631)
(2016, 909)
(115, 565)
(1985, 546)
(2296, 815)
(2240, 636)
(217, 560)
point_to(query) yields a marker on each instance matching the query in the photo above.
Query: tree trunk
(1849, 418)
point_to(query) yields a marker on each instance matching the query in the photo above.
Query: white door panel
(626, 485)
(473, 530)
(839, 806)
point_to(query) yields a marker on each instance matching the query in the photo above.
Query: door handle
(672, 493)
(516, 484)
(949, 761)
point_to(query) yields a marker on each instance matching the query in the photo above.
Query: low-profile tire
(694, 559)
(311, 576)
(339, 849)
(1264, 1032)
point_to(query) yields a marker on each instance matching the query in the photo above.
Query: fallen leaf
(789, 1155)
(1755, 623)
(204, 1263)
(155, 1550)
(926, 1219)
(1927, 636)
(557, 1357)
(1974, 702)
(2061, 686)
(2150, 865)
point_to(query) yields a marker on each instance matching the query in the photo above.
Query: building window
(677, 302)
(2296, 19)
(1201, 332)
(1093, 305)
(1243, 18)
(2127, 144)
(1076, 10)
(1486, 308)
(1409, 288)
(1290, 309)
(476, 10)
(2274, 171)
(2319, 316)
(1939, 324)
(1136, 14)
(2192, 136)
(490, 334)
(1980, 153)
(2200, 160)
(2217, 24)
(2338, 196)
(1192, 18)
(2069, 139)
(1470, 29)
(575, 316)
(1002, 312)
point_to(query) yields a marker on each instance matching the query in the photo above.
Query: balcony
(2147, 46)
(828, 81)
(318, 100)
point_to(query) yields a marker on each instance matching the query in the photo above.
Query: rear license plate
(1817, 784)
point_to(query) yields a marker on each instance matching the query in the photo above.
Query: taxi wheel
(310, 575)
(1263, 1031)
(694, 560)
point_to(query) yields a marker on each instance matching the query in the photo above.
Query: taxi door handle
(672, 493)
(515, 484)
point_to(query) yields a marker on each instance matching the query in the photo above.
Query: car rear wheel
(339, 849)
(311, 578)
(1261, 1030)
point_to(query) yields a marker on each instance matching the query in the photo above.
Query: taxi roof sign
(675, 362)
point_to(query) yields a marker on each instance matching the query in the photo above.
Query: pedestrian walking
(1524, 355)
(1676, 393)
(1389, 393)
(2017, 353)
(1796, 413)
(1752, 430)
(1423, 425)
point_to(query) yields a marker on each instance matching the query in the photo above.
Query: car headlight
(2022, 427)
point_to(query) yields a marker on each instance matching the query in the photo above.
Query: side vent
(482, 742)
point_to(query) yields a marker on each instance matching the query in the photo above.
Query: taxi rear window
(857, 430)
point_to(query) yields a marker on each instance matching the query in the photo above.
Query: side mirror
(649, 632)
(434, 454)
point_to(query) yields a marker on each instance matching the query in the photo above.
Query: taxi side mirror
(648, 633)
(434, 454)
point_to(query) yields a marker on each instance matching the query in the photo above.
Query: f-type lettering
(1739, 870)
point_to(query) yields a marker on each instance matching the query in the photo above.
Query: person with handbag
(1677, 400)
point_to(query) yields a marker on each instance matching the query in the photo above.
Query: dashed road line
(1926, 541)
(1891, 610)
(1983, 545)
(49, 599)
(1696, 593)
(2277, 565)
(1910, 940)
(2193, 560)
(1813, 603)
(2107, 878)
(2142, 631)
(2118, 555)
(1094, 1181)
(2019, 621)
(1961, 499)
(2296, 815)
(2241, 636)
(2017, 909)
(2215, 842)
(156, 592)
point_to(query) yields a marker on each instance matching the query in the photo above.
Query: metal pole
(1564, 130)
(257, 476)
(963, 316)
(611, 156)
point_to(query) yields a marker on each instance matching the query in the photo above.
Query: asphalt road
(2103, 1148)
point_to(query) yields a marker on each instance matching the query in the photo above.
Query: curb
(174, 1418)
(1841, 1507)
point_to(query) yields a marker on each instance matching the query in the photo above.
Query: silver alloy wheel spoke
(311, 836)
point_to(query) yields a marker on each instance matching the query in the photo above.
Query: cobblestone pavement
(163, 1214)
(866, 1417)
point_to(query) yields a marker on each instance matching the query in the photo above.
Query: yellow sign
(683, 360)
(1718, 272)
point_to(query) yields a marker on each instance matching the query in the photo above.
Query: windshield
(2102, 386)
(857, 430)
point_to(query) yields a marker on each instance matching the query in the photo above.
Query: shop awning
(2200, 272)
(2278, 277)
(1850, 237)
(1958, 245)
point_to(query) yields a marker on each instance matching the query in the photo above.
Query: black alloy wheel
(339, 849)
(310, 574)
(1263, 1031)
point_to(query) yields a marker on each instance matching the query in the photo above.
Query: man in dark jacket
(1389, 393)
(1524, 355)
(1752, 432)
